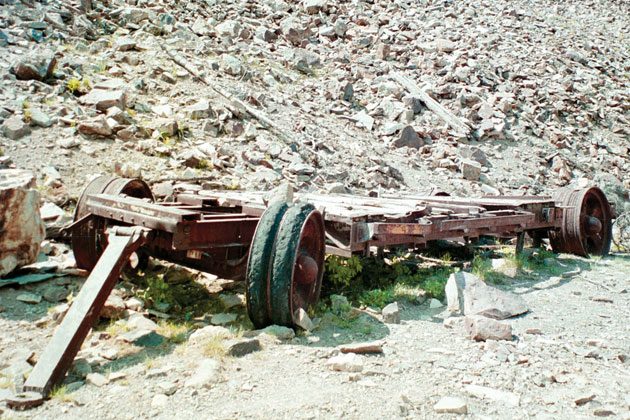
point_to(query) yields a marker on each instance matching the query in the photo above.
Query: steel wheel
(259, 263)
(89, 240)
(298, 264)
(586, 224)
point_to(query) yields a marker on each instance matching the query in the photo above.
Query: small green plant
(377, 298)
(205, 164)
(157, 289)
(481, 266)
(28, 116)
(150, 362)
(175, 333)
(60, 393)
(116, 328)
(73, 85)
(341, 271)
(77, 86)
(214, 347)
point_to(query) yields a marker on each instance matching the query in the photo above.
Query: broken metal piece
(25, 400)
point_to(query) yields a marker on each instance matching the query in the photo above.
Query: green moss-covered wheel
(298, 264)
(259, 263)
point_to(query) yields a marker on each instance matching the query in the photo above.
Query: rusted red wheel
(586, 223)
(89, 240)
(298, 264)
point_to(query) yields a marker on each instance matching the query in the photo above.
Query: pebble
(96, 379)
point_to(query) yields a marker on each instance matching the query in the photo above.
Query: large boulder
(466, 294)
(21, 227)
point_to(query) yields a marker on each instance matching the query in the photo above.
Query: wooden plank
(454, 122)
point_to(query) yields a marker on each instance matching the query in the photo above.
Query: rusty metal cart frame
(279, 248)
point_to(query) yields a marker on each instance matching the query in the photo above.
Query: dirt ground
(567, 359)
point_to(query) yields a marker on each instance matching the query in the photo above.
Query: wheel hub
(306, 270)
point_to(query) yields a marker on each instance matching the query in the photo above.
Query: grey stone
(159, 401)
(36, 66)
(409, 138)
(223, 318)
(445, 45)
(312, 7)
(55, 294)
(391, 314)
(134, 15)
(293, 30)
(103, 99)
(140, 322)
(28, 297)
(167, 388)
(242, 347)
(283, 333)
(229, 29)
(471, 170)
(230, 301)
(95, 127)
(434, 304)
(40, 118)
(15, 128)
(199, 110)
(209, 332)
(125, 44)
(266, 34)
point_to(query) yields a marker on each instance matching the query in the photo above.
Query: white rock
(138, 321)
(391, 314)
(487, 393)
(303, 320)
(469, 295)
(206, 374)
(346, 362)
(23, 229)
(451, 405)
(96, 379)
(207, 333)
(434, 304)
(159, 400)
